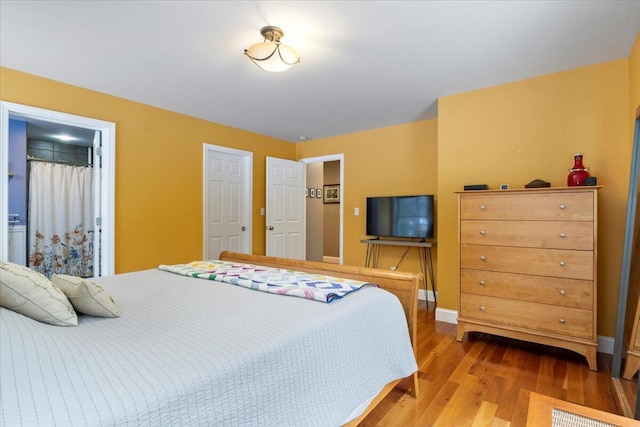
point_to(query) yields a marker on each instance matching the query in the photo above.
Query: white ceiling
(365, 64)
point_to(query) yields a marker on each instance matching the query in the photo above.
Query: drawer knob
(482, 258)
(482, 232)
(481, 308)
(482, 283)
(482, 207)
(563, 235)
(562, 263)
(562, 321)
(562, 206)
(562, 292)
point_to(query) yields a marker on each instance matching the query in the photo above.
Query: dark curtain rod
(60, 162)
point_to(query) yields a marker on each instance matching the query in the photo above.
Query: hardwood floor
(486, 380)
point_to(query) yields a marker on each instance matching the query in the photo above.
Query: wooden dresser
(528, 266)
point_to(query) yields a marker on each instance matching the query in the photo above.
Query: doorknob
(270, 228)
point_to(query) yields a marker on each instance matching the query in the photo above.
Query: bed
(197, 352)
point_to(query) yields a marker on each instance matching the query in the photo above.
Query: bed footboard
(403, 285)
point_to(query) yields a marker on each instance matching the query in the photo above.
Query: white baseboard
(446, 315)
(421, 294)
(442, 314)
(605, 344)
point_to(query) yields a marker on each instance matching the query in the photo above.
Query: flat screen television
(400, 216)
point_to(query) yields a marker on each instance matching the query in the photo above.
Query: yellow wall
(158, 206)
(517, 132)
(634, 83)
(394, 160)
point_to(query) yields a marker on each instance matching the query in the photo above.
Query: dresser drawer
(533, 316)
(541, 262)
(531, 234)
(546, 290)
(558, 206)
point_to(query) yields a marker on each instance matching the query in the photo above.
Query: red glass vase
(578, 173)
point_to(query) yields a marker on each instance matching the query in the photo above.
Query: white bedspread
(195, 352)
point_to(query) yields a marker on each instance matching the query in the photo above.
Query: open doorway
(324, 208)
(100, 155)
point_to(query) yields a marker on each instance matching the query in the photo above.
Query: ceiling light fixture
(271, 55)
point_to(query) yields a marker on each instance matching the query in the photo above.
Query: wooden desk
(424, 255)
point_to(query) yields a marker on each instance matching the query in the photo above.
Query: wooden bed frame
(403, 285)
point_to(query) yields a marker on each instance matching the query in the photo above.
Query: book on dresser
(528, 266)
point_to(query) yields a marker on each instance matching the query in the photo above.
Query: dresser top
(527, 190)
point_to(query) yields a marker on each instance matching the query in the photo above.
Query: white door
(227, 203)
(285, 224)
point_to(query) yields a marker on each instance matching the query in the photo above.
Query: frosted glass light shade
(272, 56)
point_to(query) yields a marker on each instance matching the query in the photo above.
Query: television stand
(424, 255)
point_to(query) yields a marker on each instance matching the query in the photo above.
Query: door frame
(329, 158)
(247, 190)
(108, 130)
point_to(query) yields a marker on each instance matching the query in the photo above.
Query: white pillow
(87, 297)
(28, 292)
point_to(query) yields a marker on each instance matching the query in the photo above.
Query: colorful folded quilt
(266, 279)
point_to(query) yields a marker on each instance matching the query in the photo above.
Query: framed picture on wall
(312, 192)
(332, 193)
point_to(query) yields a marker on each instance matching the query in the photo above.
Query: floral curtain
(61, 219)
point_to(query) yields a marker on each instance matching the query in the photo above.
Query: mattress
(190, 352)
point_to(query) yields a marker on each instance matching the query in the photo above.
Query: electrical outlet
(394, 268)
